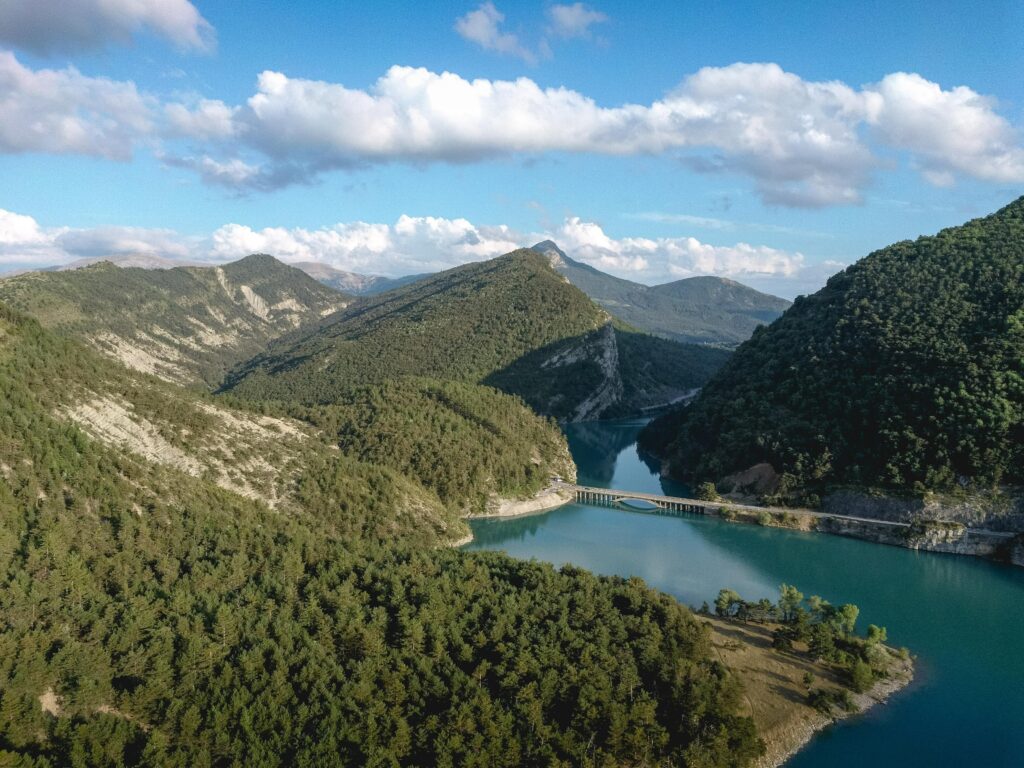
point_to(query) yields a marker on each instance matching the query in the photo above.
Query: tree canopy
(906, 371)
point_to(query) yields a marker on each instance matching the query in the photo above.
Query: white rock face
(601, 347)
(256, 303)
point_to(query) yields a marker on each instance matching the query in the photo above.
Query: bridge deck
(585, 494)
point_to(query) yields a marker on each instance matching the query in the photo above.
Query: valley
(370, 447)
(497, 384)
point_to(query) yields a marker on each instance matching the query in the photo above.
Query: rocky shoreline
(544, 501)
(802, 734)
(926, 531)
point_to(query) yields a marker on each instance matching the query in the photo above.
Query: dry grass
(774, 689)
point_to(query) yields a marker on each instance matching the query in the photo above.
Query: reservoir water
(962, 617)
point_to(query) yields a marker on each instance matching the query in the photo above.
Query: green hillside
(154, 617)
(697, 310)
(59, 391)
(905, 371)
(467, 443)
(188, 325)
(511, 322)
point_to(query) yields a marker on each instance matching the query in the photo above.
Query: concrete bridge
(677, 506)
(612, 497)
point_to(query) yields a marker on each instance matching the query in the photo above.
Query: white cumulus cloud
(574, 20)
(65, 112)
(415, 244)
(24, 242)
(803, 143)
(207, 119)
(950, 132)
(666, 258)
(71, 26)
(483, 26)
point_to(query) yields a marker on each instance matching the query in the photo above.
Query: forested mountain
(511, 322)
(352, 283)
(471, 445)
(905, 371)
(699, 310)
(155, 615)
(188, 324)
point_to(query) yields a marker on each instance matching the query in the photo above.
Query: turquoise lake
(962, 617)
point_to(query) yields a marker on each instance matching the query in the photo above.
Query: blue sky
(774, 174)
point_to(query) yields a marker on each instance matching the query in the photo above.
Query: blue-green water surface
(962, 617)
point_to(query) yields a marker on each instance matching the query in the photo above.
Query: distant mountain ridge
(351, 282)
(187, 324)
(697, 310)
(511, 322)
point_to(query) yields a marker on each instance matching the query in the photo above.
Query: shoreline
(775, 694)
(503, 508)
(878, 696)
(547, 499)
(923, 534)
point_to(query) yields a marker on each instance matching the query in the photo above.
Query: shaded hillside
(905, 371)
(699, 310)
(613, 373)
(187, 325)
(511, 322)
(352, 283)
(152, 617)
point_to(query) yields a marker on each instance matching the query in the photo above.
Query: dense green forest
(512, 323)
(905, 372)
(694, 310)
(463, 441)
(188, 324)
(151, 617)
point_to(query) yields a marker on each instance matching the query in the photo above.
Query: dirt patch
(50, 702)
(145, 355)
(253, 456)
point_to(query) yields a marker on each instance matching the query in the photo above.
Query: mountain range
(512, 323)
(352, 283)
(697, 310)
(187, 324)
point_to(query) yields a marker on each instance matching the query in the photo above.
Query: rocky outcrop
(924, 535)
(605, 351)
(758, 480)
(1015, 550)
(1003, 511)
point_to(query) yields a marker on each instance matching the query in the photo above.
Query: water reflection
(607, 457)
